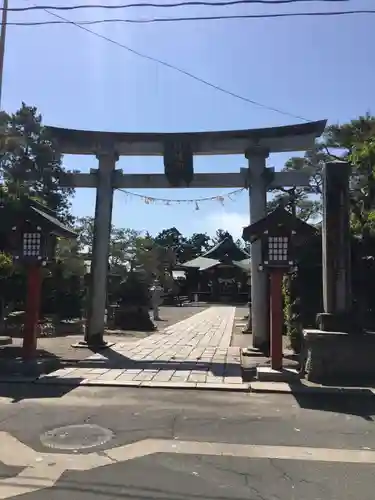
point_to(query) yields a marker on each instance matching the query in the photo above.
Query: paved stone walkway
(192, 354)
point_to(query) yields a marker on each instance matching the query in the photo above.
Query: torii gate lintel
(230, 180)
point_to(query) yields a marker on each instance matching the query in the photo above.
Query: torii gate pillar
(258, 210)
(100, 250)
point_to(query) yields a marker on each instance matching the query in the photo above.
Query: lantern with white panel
(31, 244)
(277, 248)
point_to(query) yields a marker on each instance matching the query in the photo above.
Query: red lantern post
(31, 253)
(34, 287)
(30, 231)
(276, 258)
(277, 232)
(276, 318)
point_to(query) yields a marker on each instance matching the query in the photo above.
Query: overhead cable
(196, 3)
(189, 19)
(178, 69)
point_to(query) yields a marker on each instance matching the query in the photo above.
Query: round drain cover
(76, 437)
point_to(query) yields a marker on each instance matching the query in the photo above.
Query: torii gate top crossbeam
(274, 139)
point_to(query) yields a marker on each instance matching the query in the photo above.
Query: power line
(179, 70)
(189, 19)
(196, 3)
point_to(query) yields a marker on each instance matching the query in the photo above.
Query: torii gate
(255, 144)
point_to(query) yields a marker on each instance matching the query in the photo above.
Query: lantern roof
(40, 215)
(276, 220)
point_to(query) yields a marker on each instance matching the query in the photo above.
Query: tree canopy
(30, 162)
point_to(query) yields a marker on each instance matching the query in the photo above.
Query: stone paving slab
(194, 353)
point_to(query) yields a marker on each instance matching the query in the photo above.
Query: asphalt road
(184, 445)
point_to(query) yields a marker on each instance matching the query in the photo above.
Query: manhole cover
(76, 437)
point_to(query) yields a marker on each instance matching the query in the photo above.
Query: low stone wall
(338, 356)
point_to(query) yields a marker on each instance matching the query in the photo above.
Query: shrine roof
(204, 263)
(287, 138)
(243, 264)
(201, 263)
(228, 249)
(225, 252)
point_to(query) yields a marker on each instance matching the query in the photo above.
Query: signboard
(178, 162)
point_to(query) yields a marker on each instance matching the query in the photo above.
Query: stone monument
(339, 350)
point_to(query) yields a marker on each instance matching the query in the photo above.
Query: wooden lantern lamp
(279, 232)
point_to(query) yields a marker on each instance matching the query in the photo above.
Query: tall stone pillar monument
(336, 260)
(339, 350)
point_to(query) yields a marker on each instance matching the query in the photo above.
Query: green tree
(68, 256)
(128, 248)
(173, 239)
(220, 235)
(125, 245)
(304, 202)
(196, 245)
(30, 162)
(355, 142)
(6, 270)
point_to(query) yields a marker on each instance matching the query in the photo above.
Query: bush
(302, 292)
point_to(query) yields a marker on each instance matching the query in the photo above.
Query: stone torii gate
(255, 144)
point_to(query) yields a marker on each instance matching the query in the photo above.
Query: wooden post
(276, 318)
(34, 285)
(4, 20)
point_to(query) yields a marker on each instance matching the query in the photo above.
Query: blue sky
(318, 68)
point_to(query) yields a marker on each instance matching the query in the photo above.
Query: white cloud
(234, 222)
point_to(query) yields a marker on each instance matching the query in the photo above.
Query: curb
(244, 388)
(295, 389)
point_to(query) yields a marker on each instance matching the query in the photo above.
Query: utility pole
(4, 19)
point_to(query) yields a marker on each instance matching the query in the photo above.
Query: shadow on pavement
(351, 401)
(116, 360)
(67, 485)
(20, 391)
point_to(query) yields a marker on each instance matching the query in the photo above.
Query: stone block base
(338, 322)
(252, 351)
(94, 346)
(339, 357)
(267, 374)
